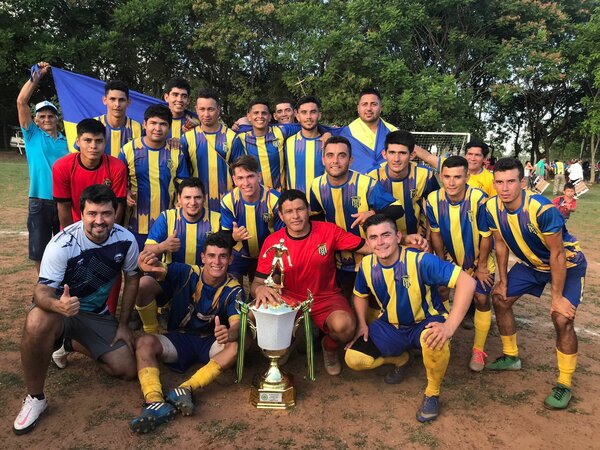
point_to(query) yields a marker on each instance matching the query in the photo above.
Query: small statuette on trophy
(277, 264)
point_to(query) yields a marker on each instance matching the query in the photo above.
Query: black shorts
(42, 224)
(94, 331)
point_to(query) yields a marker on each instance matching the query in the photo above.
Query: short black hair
(506, 164)
(289, 195)
(308, 99)
(401, 137)
(369, 91)
(160, 111)
(97, 194)
(378, 219)
(246, 162)
(258, 101)
(218, 240)
(338, 140)
(92, 126)
(456, 161)
(209, 93)
(284, 100)
(485, 149)
(569, 186)
(116, 85)
(179, 83)
(193, 182)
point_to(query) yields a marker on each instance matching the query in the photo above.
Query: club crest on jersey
(355, 201)
(107, 182)
(405, 281)
(275, 143)
(225, 147)
(170, 164)
(322, 249)
(531, 228)
(267, 217)
(470, 216)
(119, 257)
(413, 193)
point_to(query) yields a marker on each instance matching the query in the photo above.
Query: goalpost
(441, 143)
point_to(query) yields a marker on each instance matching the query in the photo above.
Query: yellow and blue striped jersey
(152, 175)
(558, 168)
(461, 226)
(411, 191)
(195, 304)
(523, 230)
(303, 161)
(407, 290)
(210, 156)
(260, 218)
(176, 130)
(268, 151)
(116, 138)
(191, 234)
(359, 193)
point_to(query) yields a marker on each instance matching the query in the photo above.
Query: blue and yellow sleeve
(434, 270)
(379, 198)
(361, 288)
(433, 223)
(237, 148)
(227, 217)
(158, 232)
(550, 220)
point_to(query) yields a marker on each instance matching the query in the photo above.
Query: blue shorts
(242, 266)
(392, 341)
(42, 224)
(191, 349)
(482, 288)
(523, 279)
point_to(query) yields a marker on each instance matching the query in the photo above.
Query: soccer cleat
(429, 410)
(153, 415)
(477, 362)
(505, 363)
(59, 357)
(331, 361)
(397, 374)
(181, 398)
(28, 417)
(559, 398)
(467, 323)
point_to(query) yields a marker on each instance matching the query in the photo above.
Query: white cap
(45, 104)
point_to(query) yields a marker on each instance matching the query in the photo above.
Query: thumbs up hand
(240, 233)
(67, 305)
(221, 332)
(171, 244)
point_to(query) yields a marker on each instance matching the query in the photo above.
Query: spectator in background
(566, 203)
(44, 145)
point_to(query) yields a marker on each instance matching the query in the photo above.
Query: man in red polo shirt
(312, 247)
(72, 173)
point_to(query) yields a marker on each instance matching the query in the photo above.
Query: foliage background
(518, 72)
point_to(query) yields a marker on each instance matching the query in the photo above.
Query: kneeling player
(204, 299)
(412, 313)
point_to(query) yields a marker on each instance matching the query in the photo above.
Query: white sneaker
(30, 413)
(59, 357)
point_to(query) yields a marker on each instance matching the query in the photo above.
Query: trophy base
(265, 395)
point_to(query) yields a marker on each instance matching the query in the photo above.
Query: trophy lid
(281, 309)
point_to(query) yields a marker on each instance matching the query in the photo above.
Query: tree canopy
(520, 70)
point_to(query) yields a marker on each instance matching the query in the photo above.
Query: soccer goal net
(442, 143)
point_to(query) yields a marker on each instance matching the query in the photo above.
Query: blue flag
(80, 97)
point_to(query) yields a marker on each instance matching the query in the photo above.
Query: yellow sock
(566, 367)
(361, 361)
(150, 382)
(149, 316)
(483, 322)
(436, 363)
(203, 376)
(509, 345)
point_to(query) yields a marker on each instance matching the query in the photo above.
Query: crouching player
(403, 281)
(203, 305)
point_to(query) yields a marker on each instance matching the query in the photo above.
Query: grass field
(355, 410)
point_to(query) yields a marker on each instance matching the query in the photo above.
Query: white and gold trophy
(274, 328)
